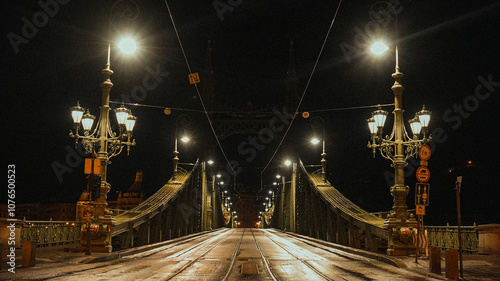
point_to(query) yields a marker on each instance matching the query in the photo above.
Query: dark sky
(448, 52)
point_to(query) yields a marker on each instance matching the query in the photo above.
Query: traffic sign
(422, 194)
(194, 78)
(89, 162)
(424, 152)
(420, 210)
(423, 174)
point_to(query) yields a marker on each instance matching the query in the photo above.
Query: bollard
(452, 264)
(435, 260)
(29, 253)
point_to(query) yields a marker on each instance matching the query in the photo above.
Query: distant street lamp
(398, 147)
(184, 120)
(315, 122)
(107, 142)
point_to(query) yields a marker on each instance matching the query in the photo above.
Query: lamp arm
(406, 136)
(386, 150)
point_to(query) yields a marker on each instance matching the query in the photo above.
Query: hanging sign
(194, 78)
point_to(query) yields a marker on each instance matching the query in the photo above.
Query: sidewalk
(57, 256)
(475, 266)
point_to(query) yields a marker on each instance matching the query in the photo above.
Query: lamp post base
(100, 233)
(399, 242)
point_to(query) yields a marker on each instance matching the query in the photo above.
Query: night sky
(448, 52)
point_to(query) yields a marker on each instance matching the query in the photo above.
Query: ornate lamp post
(109, 144)
(398, 147)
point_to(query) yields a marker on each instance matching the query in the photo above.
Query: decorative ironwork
(125, 9)
(50, 233)
(446, 237)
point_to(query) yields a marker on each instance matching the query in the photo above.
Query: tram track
(305, 262)
(233, 258)
(264, 259)
(193, 261)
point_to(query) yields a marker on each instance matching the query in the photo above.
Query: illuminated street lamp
(378, 48)
(127, 45)
(184, 120)
(108, 144)
(398, 147)
(315, 122)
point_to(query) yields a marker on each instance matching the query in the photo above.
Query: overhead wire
(304, 92)
(250, 113)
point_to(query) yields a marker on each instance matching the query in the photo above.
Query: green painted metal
(446, 237)
(50, 233)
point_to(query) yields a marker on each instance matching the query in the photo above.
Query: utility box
(435, 260)
(452, 264)
(29, 253)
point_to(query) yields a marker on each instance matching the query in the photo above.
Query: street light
(184, 120)
(108, 143)
(127, 45)
(378, 48)
(315, 141)
(397, 147)
(315, 122)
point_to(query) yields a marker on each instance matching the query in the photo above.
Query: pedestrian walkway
(475, 266)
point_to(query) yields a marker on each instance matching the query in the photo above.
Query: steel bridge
(306, 205)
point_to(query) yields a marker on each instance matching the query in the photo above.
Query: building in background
(130, 199)
(125, 201)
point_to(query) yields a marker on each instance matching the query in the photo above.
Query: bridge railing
(46, 233)
(446, 237)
